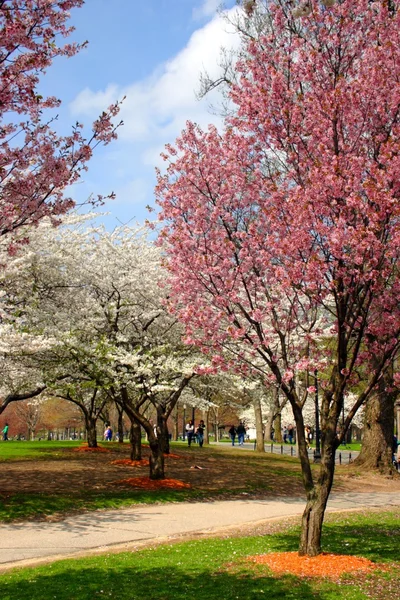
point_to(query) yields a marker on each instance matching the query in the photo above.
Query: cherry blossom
(282, 231)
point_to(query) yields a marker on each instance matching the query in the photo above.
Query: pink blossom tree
(282, 232)
(36, 164)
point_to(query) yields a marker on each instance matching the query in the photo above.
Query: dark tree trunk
(162, 430)
(156, 453)
(120, 425)
(376, 450)
(156, 459)
(135, 439)
(317, 493)
(317, 498)
(91, 432)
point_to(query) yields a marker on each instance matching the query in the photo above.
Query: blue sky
(152, 51)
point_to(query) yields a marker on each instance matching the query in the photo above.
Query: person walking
(108, 434)
(5, 433)
(285, 434)
(232, 433)
(241, 432)
(189, 432)
(200, 433)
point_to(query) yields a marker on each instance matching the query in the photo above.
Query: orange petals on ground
(87, 449)
(323, 565)
(171, 455)
(131, 463)
(154, 484)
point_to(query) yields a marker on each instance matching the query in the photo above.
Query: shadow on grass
(165, 583)
(37, 506)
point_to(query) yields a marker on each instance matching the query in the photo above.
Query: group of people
(197, 434)
(289, 434)
(239, 431)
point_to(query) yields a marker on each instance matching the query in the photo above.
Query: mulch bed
(154, 484)
(331, 566)
(171, 455)
(130, 463)
(87, 449)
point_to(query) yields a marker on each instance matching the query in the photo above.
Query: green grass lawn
(215, 569)
(14, 450)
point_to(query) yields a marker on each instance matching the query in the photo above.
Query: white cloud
(134, 192)
(157, 108)
(207, 9)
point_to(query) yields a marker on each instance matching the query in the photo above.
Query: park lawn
(216, 568)
(43, 479)
(43, 449)
(40, 479)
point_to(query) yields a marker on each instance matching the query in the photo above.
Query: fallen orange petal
(154, 484)
(130, 463)
(88, 449)
(171, 455)
(323, 565)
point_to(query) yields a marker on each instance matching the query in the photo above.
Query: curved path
(31, 543)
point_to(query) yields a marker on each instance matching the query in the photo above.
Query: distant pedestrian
(307, 435)
(5, 433)
(290, 434)
(200, 433)
(395, 446)
(232, 433)
(241, 432)
(285, 434)
(108, 434)
(190, 432)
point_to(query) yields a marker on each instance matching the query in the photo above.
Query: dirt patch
(224, 472)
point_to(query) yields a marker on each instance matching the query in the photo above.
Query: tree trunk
(260, 446)
(317, 498)
(120, 425)
(162, 430)
(376, 450)
(135, 439)
(277, 416)
(268, 426)
(175, 431)
(156, 459)
(207, 420)
(91, 432)
(278, 428)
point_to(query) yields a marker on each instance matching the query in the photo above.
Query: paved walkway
(32, 543)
